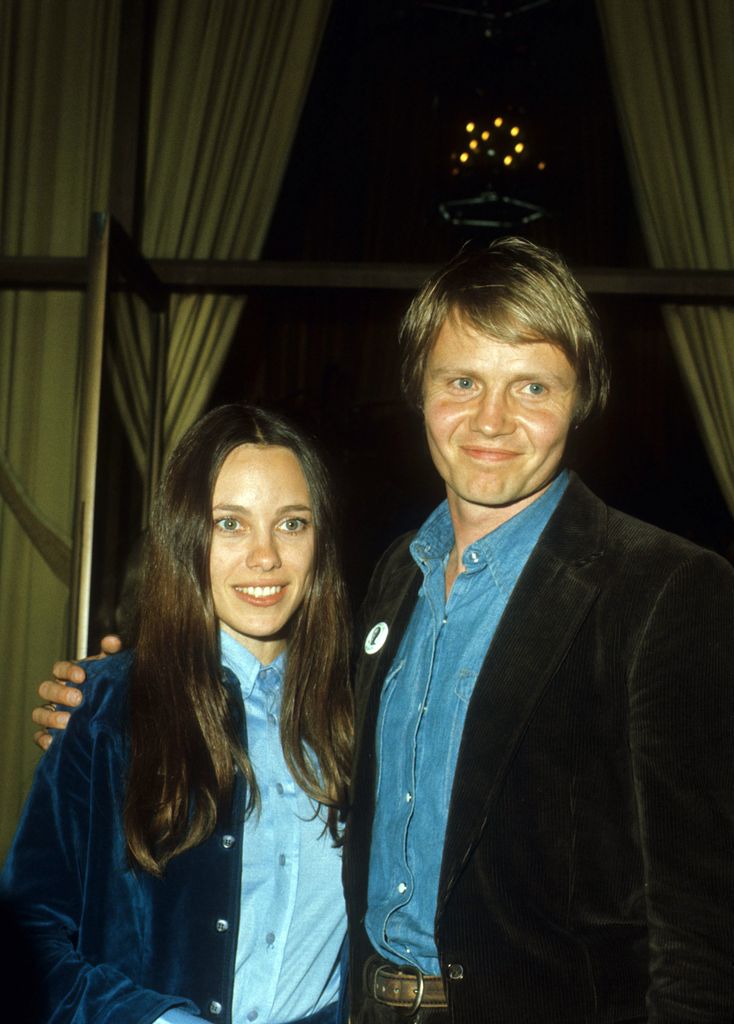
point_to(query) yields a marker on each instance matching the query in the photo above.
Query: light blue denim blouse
(292, 918)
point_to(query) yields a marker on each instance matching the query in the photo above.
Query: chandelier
(496, 173)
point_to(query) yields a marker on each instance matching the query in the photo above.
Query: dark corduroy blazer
(588, 866)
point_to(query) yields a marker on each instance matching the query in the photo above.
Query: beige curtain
(672, 66)
(229, 81)
(57, 71)
(223, 113)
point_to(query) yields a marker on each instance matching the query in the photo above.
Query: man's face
(497, 416)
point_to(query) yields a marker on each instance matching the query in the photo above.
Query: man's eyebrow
(457, 371)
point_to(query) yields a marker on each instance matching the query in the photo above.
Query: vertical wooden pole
(156, 411)
(88, 432)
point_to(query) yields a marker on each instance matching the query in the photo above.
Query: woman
(193, 870)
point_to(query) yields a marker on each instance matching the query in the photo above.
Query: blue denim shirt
(292, 918)
(422, 711)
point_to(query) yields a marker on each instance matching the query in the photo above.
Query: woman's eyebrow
(227, 507)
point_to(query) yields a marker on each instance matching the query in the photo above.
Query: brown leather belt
(403, 987)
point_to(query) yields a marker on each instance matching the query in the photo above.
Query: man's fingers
(68, 671)
(42, 739)
(49, 717)
(111, 644)
(57, 693)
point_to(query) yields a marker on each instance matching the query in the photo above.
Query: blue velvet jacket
(114, 944)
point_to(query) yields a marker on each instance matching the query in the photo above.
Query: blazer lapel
(545, 611)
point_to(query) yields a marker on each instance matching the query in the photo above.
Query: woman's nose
(263, 553)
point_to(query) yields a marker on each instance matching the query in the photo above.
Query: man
(542, 814)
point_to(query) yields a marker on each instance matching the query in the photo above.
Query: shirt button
(270, 938)
(408, 797)
(215, 1008)
(222, 925)
(279, 789)
(402, 887)
(281, 859)
(227, 842)
(456, 972)
(252, 1015)
(474, 556)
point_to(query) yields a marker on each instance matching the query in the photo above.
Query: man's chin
(502, 498)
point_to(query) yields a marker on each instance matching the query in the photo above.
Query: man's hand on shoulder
(63, 690)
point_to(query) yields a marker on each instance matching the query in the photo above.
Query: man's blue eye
(536, 389)
(464, 383)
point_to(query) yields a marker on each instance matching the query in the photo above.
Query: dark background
(393, 88)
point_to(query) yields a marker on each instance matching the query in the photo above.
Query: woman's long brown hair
(184, 734)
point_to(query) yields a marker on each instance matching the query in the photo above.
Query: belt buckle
(415, 1005)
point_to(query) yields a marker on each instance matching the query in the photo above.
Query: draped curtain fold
(229, 79)
(228, 83)
(672, 68)
(57, 72)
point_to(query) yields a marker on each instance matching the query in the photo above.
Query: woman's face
(262, 548)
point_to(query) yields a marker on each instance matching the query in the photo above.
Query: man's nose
(263, 552)
(492, 413)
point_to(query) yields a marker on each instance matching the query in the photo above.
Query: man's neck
(471, 522)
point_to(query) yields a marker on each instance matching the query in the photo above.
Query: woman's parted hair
(514, 291)
(185, 742)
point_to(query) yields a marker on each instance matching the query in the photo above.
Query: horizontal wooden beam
(706, 287)
(701, 287)
(220, 275)
(44, 272)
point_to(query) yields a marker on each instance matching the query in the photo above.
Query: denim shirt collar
(502, 548)
(247, 668)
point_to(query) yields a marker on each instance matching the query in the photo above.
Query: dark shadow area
(19, 977)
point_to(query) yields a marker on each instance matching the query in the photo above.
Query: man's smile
(489, 454)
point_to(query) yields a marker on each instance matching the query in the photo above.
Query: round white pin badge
(376, 638)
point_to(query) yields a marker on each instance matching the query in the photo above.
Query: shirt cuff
(175, 1016)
